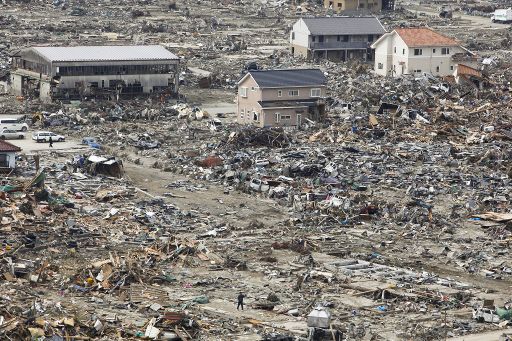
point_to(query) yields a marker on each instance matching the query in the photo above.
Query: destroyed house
(110, 72)
(335, 38)
(281, 98)
(416, 51)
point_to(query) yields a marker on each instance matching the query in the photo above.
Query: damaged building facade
(281, 98)
(335, 38)
(97, 71)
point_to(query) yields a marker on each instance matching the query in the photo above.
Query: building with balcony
(336, 38)
(415, 51)
(281, 98)
(78, 72)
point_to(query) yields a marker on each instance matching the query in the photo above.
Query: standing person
(51, 142)
(241, 297)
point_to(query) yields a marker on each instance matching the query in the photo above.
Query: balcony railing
(342, 45)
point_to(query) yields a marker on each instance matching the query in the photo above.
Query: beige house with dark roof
(416, 51)
(281, 98)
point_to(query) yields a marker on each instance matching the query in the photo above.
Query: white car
(12, 123)
(44, 136)
(9, 134)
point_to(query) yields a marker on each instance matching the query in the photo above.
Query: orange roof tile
(424, 36)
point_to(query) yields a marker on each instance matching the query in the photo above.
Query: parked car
(13, 124)
(91, 142)
(9, 134)
(44, 136)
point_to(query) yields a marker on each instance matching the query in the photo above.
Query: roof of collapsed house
(8, 147)
(280, 78)
(344, 25)
(424, 36)
(103, 53)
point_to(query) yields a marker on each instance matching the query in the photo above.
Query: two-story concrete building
(281, 98)
(415, 51)
(74, 72)
(335, 38)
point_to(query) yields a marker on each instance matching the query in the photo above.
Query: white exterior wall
(398, 59)
(16, 85)
(11, 158)
(301, 34)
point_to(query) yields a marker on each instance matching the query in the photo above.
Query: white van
(12, 124)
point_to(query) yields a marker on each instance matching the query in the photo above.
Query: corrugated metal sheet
(103, 53)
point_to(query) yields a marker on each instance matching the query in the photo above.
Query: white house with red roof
(8, 155)
(416, 51)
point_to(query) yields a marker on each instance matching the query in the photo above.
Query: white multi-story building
(416, 51)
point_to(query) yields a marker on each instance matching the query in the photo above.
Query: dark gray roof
(344, 25)
(283, 78)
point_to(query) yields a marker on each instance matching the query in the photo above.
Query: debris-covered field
(393, 212)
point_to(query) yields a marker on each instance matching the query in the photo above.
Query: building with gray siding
(94, 71)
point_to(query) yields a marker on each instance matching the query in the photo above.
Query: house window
(252, 88)
(313, 38)
(437, 68)
(445, 50)
(417, 71)
(418, 52)
(345, 38)
(338, 38)
(255, 116)
(320, 39)
(315, 93)
(293, 93)
(279, 93)
(433, 51)
(340, 4)
(242, 113)
(451, 67)
(403, 51)
(293, 35)
(380, 66)
(286, 117)
(278, 116)
(370, 38)
(395, 49)
(243, 92)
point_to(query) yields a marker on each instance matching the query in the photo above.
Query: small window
(255, 116)
(278, 116)
(445, 50)
(418, 52)
(403, 51)
(417, 71)
(433, 51)
(286, 117)
(315, 93)
(345, 38)
(451, 67)
(370, 38)
(313, 38)
(293, 35)
(339, 4)
(437, 68)
(293, 93)
(243, 92)
(242, 113)
(395, 49)
(380, 66)
(279, 93)
(252, 88)
(338, 38)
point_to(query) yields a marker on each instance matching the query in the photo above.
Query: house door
(299, 120)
